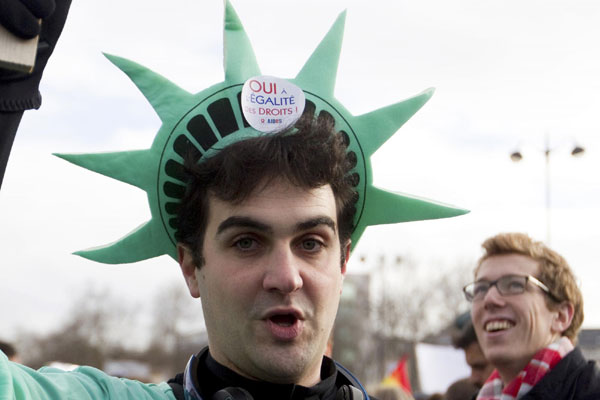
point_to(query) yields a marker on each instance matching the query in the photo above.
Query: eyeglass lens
(506, 285)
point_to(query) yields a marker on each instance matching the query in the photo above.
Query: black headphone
(346, 392)
(232, 393)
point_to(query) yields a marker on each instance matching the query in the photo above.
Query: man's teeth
(494, 326)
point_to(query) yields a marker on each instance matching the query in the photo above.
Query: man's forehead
(269, 187)
(276, 206)
(505, 264)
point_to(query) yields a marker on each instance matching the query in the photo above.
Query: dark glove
(18, 90)
(21, 16)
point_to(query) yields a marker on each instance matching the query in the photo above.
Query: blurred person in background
(390, 392)
(463, 389)
(465, 338)
(10, 351)
(527, 310)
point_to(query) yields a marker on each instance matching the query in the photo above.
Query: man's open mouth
(498, 325)
(284, 319)
(285, 324)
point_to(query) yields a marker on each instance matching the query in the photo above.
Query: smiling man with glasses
(527, 311)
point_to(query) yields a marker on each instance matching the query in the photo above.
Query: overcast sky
(507, 75)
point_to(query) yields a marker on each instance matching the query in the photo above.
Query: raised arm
(18, 382)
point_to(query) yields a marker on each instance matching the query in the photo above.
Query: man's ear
(563, 317)
(188, 268)
(346, 251)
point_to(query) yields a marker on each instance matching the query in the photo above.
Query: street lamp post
(516, 156)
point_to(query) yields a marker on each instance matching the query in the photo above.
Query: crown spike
(395, 207)
(133, 167)
(382, 123)
(319, 72)
(239, 59)
(160, 92)
(147, 241)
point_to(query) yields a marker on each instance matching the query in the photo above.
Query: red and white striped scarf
(542, 362)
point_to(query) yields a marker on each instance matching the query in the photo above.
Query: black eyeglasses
(507, 285)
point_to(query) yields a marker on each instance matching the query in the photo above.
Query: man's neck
(213, 376)
(509, 371)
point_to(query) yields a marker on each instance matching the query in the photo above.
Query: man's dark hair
(461, 390)
(310, 155)
(464, 334)
(8, 349)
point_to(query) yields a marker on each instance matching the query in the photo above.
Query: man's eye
(516, 285)
(245, 244)
(480, 288)
(312, 245)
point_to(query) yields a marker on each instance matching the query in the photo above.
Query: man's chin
(496, 351)
(285, 364)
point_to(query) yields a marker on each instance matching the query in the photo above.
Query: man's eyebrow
(243, 222)
(314, 222)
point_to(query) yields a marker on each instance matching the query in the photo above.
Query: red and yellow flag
(399, 376)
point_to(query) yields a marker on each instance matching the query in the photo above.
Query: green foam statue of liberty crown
(213, 118)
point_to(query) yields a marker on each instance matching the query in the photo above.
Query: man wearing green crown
(257, 186)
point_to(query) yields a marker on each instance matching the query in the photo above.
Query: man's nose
(493, 297)
(282, 271)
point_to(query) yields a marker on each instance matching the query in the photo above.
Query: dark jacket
(573, 378)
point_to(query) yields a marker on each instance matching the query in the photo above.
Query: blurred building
(589, 341)
(359, 347)
(351, 335)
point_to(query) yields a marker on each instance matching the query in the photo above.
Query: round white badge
(271, 104)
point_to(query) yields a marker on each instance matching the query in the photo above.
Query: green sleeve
(18, 382)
